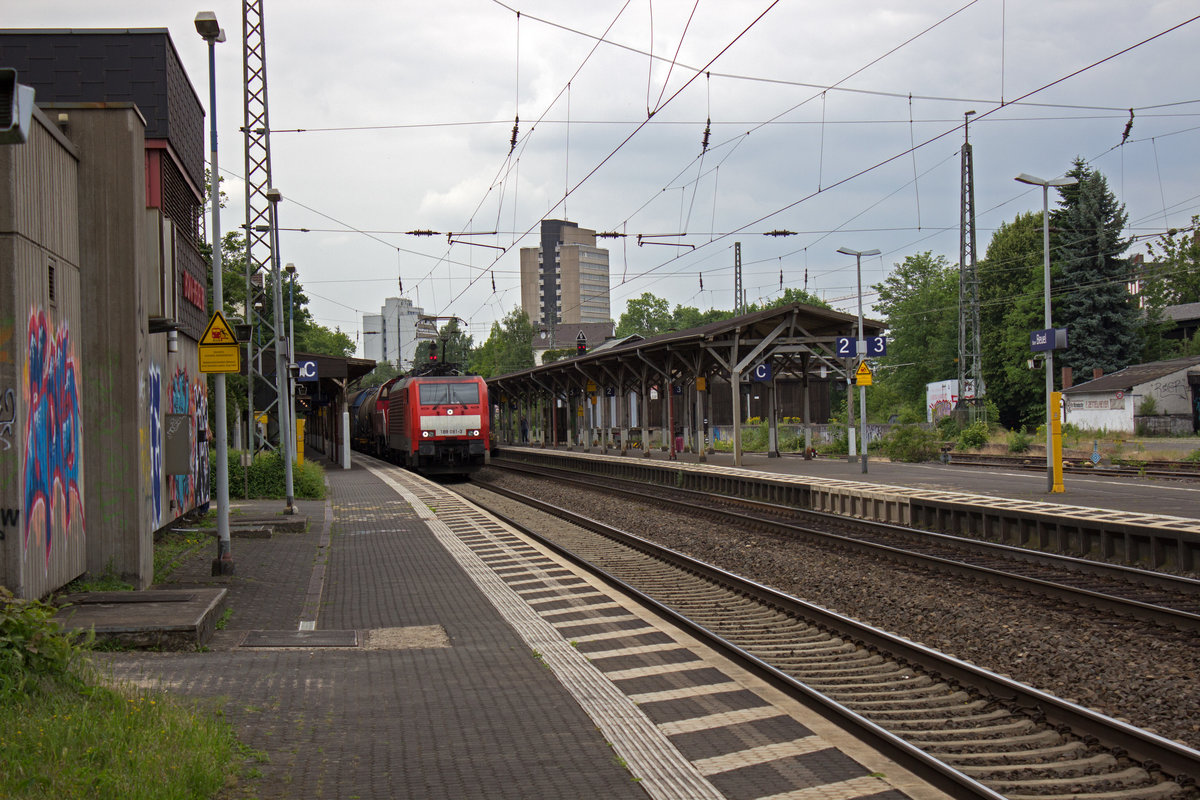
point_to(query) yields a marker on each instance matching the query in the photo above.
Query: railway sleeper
(1011, 744)
(1091, 765)
(1062, 751)
(887, 682)
(975, 708)
(924, 701)
(1159, 791)
(964, 722)
(838, 648)
(1123, 781)
(925, 691)
(1004, 730)
(840, 667)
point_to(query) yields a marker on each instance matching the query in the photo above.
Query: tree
(646, 316)
(509, 346)
(919, 300)
(1170, 276)
(1010, 306)
(686, 317)
(383, 372)
(454, 347)
(790, 295)
(1092, 298)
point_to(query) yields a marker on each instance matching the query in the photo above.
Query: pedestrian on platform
(524, 430)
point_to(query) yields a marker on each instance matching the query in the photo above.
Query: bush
(1018, 441)
(1148, 407)
(973, 436)
(911, 443)
(33, 647)
(947, 426)
(266, 477)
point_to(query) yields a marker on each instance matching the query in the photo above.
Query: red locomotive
(430, 423)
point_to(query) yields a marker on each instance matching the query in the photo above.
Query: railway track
(1178, 470)
(1017, 742)
(1144, 595)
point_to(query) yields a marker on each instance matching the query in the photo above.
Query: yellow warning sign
(219, 350)
(218, 331)
(863, 375)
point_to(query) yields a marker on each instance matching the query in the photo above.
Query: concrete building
(392, 335)
(102, 212)
(565, 279)
(1117, 401)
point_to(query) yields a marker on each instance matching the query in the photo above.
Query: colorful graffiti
(53, 464)
(190, 398)
(156, 443)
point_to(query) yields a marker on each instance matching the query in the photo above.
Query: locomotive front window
(465, 393)
(438, 394)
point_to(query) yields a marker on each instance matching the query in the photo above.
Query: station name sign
(1048, 339)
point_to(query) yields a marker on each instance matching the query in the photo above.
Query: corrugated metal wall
(42, 439)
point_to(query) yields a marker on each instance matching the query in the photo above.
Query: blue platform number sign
(762, 372)
(610, 391)
(308, 371)
(847, 347)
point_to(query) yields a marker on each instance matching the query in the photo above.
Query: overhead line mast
(970, 360)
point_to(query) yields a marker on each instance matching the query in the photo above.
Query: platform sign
(1048, 339)
(863, 375)
(219, 350)
(848, 346)
(762, 372)
(307, 370)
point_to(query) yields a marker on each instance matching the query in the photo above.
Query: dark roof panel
(1125, 379)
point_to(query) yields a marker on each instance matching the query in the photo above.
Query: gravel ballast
(1144, 674)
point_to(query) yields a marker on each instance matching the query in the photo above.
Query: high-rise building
(565, 279)
(392, 334)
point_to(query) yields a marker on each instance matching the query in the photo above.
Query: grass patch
(66, 732)
(171, 548)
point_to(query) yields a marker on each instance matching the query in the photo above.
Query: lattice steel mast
(970, 358)
(256, 131)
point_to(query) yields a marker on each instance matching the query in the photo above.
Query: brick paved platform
(408, 645)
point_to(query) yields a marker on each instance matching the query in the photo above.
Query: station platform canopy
(795, 340)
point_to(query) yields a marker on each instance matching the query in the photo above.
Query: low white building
(1111, 402)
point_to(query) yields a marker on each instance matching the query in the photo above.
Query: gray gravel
(1146, 675)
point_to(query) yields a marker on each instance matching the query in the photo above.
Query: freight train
(435, 424)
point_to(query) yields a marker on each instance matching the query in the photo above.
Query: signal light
(433, 352)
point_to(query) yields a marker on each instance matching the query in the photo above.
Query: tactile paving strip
(685, 728)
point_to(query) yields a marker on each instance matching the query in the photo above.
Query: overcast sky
(816, 109)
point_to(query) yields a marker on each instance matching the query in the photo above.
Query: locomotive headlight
(424, 434)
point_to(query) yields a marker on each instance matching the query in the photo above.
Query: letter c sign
(308, 371)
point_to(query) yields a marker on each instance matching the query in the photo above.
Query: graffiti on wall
(53, 458)
(189, 397)
(8, 417)
(156, 455)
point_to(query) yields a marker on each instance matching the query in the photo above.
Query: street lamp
(290, 269)
(1046, 184)
(281, 364)
(210, 31)
(860, 349)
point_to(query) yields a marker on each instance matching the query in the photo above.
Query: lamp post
(210, 31)
(290, 269)
(861, 349)
(1046, 184)
(281, 364)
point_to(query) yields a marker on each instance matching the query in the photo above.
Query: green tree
(508, 348)
(686, 317)
(1010, 306)
(1092, 298)
(646, 316)
(1169, 276)
(454, 347)
(789, 296)
(919, 300)
(383, 372)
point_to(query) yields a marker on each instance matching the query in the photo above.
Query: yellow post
(300, 440)
(1056, 441)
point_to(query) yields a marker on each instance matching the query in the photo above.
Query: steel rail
(1176, 760)
(1162, 615)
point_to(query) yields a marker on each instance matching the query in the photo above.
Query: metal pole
(1049, 353)
(862, 389)
(292, 360)
(285, 438)
(223, 565)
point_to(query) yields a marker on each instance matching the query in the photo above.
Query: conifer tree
(1091, 293)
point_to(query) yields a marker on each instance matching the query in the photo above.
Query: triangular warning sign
(218, 331)
(863, 369)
